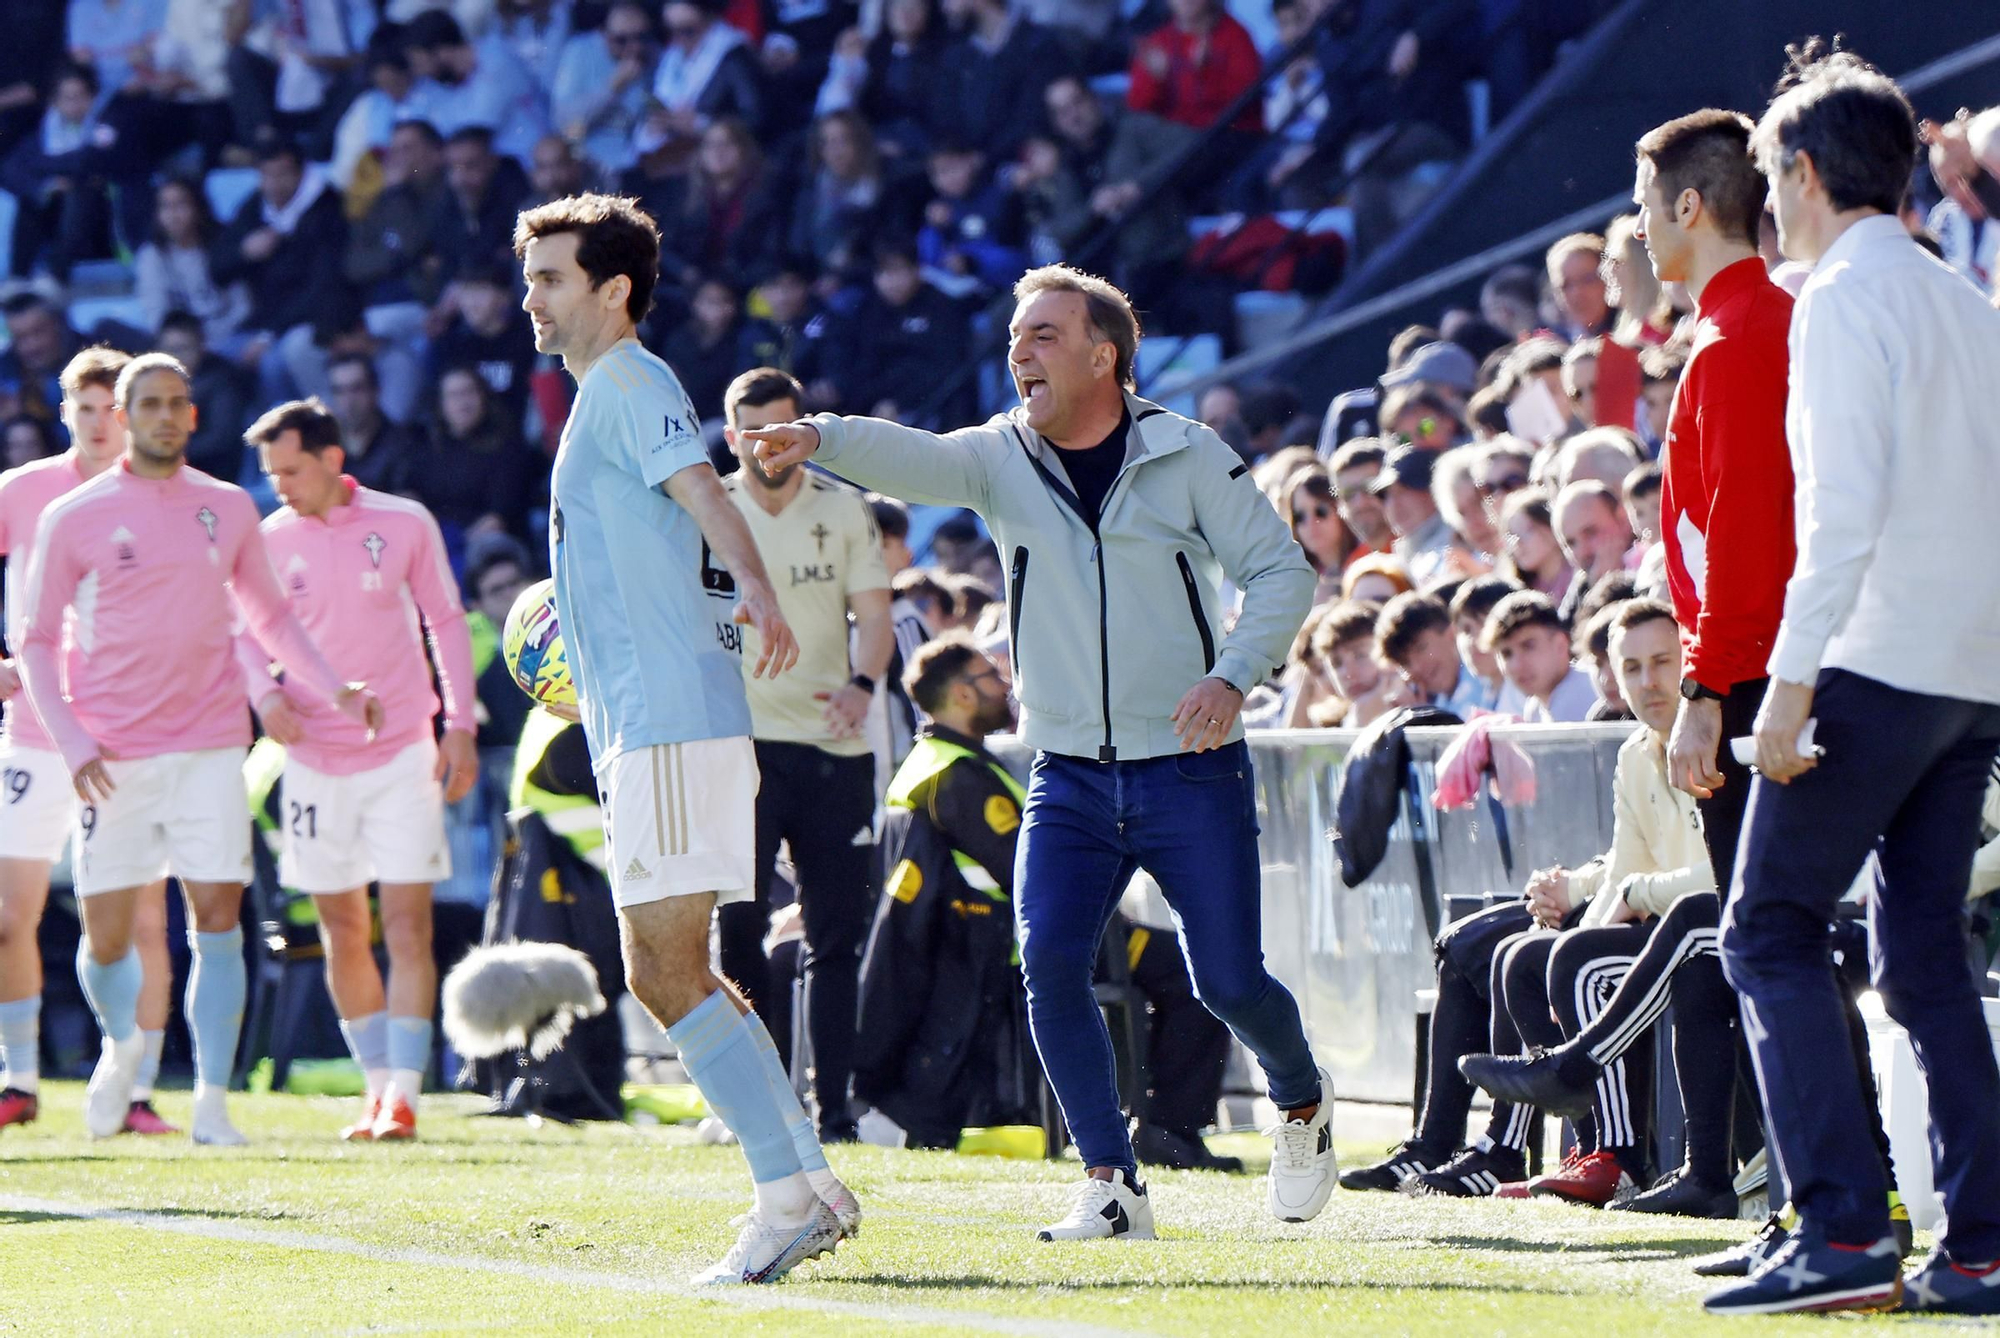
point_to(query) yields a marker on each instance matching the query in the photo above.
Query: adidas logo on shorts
(635, 871)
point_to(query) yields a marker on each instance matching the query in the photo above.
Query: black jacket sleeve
(565, 765)
(978, 815)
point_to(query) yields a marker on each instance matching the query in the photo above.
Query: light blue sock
(805, 1141)
(216, 989)
(113, 990)
(149, 1065)
(368, 1040)
(21, 1042)
(722, 1060)
(409, 1047)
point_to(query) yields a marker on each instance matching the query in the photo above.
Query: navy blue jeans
(1191, 822)
(1904, 775)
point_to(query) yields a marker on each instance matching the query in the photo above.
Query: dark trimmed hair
(1517, 613)
(1849, 118)
(921, 583)
(143, 365)
(1633, 612)
(761, 386)
(98, 365)
(1476, 598)
(1357, 452)
(1349, 620)
(892, 518)
(614, 236)
(310, 418)
(938, 664)
(1708, 152)
(1612, 589)
(1107, 309)
(1645, 481)
(970, 596)
(1595, 636)
(1407, 617)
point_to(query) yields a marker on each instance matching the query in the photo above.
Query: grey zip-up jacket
(1109, 627)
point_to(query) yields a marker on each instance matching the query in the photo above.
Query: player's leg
(24, 892)
(156, 1004)
(1498, 1156)
(108, 968)
(354, 982)
(406, 933)
(1581, 971)
(833, 849)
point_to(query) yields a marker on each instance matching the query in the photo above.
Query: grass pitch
(498, 1225)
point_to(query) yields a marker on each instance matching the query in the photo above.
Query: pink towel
(1473, 755)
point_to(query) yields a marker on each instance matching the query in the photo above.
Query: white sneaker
(837, 1196)
(1302, 1163)
(765, 1253)
(109, 1095)
(1104, 1210)
(211, 1124)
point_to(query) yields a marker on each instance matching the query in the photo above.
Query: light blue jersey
(645, 608)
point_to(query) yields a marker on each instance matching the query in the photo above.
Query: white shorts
(681, 819)
(381, 825)
(37, 803)
(184, 814)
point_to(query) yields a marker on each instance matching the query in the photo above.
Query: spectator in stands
(65, 212)
(554, 171)
(1498, 474)
(1414, 633)
(903, 78)
(171, 271)
(1645, 314)
(1532, 643)
(1295, 108)
(712, 346)
(1425, 418)
(26, 440)
(216, 445)
(473, 472)
(1471, 604)
(1374, 578)
(1605, 454)
(603, 83)
(904, 342)
(707, 71)
(381, 453)
(1511, 299)
(283, 245)
(973, 239)
(1355, 467)
(1424, 541)
(178, 94)
(491, 335)
(1595, 532)
(1642, 502)
(1965, 161)
(110, 36)
(999, 63)
(1534, 555)
(1440, 369)
(1454, 489)
(1354, 413)
(1345, 642)
(840, 206)
(40, 344)
(1660, 375)
(392, 97)
(801, 325)
(538, 31)
(1538, 408)
(1579, 379)
(300, 89)
(397, 252)
(493, 581)
(1576, 282)
(1192, 67)
(477, 83)
(486, 191)
(1595, 638)
(1314, 517)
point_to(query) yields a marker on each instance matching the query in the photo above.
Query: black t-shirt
(1093, 469)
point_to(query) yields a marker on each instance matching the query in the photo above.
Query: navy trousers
(1190, 820)
(1903, 775)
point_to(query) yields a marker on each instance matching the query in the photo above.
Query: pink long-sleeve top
(368, 579)
(149, 568)
(26, 493)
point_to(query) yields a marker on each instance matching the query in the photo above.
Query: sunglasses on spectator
(1318, 511)
(1506, 483)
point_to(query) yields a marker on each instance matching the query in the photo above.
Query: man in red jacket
(1192, 67)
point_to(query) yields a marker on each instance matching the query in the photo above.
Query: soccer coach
(1117, 519)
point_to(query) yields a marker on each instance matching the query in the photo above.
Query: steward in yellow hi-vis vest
(941, 1023)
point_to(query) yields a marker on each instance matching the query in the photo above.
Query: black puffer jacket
(1371, 788)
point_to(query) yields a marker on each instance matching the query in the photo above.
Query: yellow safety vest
(576, 818)
(928, 760)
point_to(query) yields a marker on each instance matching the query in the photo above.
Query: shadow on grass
(34, 1217)
(1261, 1284)
(1630, 1249)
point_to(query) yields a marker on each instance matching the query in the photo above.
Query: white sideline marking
(748, 1298)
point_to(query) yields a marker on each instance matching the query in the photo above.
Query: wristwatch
(863, 681)
(1695, 692)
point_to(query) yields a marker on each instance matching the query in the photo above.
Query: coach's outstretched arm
(699, 493)
(932, 469)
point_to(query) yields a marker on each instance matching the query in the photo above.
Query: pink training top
(25, 493)
(359, 578)
(148, 567)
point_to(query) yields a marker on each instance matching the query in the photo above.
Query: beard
(768, 482)
(995, 717)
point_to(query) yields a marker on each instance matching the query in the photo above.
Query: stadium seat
(227, 188)
(1180, 356)
(87, 313)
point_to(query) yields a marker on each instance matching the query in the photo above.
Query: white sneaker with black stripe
(1303, 1168)
(1114, 1209)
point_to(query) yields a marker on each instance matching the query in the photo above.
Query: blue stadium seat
(227, 188)
(86, 313)
(1182, 356)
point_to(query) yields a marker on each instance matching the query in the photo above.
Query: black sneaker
(1741, 1261)
(1811, 1273)
(1529, 1081)
(1155, 1145)
(1681, 1195)
(1474, 1173)
(1941, 1287)
(1406, 1159)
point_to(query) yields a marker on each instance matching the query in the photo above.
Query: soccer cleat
(1941, 1287)
(1303, 1168)
(1475, 1173)
(1595, 1179)
(1406, 1159)
(837, 1196)
(1744, 1259)
(18, 1107)
(1528, 1081)
(363, 1129)
(395, 1120)
(764, 1252)
(141, 1118)
(109, 1095)
(1681, 1195)
(1114, 1209)
(211, 1119)
(1810, 1273)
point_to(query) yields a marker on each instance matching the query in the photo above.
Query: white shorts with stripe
(681, 819)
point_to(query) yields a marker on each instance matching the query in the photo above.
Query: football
(533, 645)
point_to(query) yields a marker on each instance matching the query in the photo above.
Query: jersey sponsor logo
(207, 519)
(375, 543)
(127, 554)
(295, 574)
(671, 428)
(635, 872)
(1001, 814)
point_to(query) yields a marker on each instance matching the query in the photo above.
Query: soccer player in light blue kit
(655, 574)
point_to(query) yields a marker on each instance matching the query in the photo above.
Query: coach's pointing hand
(778, 648)
(783, 445)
